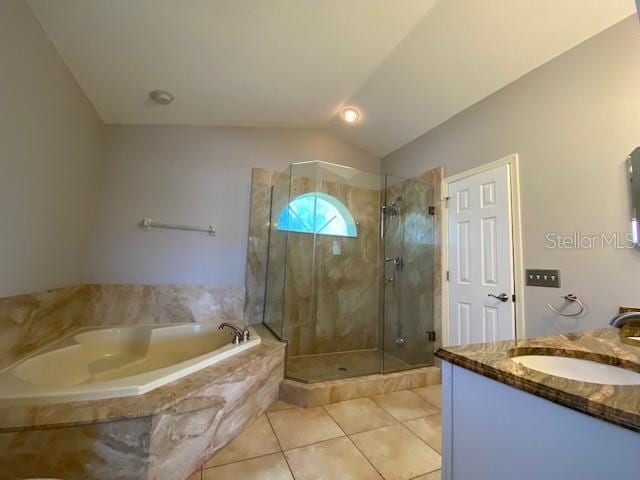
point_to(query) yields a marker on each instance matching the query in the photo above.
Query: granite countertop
(25, 416)
(617, 404)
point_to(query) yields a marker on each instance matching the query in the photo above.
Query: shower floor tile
(334, 366)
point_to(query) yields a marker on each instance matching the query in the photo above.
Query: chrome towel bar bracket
(569, 298)
(147, 224)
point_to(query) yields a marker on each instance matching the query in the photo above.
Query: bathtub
(95, 363)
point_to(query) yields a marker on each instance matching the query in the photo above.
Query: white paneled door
(480, 253)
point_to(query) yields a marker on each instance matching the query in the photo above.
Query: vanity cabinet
(492, 431)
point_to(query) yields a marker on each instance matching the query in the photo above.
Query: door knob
(503, 297)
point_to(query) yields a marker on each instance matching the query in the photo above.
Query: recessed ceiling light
(161, 97)
(350, 115)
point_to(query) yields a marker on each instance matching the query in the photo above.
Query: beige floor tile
(280, 405)
(298, 427)
(269, 467)
(195, 475)
(431, 393)
(429, 429)
(397, 453)
(336, 459)
(359, 415)
(255, 440)
(405, 405)
(437, 475)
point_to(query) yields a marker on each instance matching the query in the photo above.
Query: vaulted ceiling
(407, 65)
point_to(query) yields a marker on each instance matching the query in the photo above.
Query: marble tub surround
(323, 393)
(165, 434)
(24, 416)
(143, 304)
(94, 363)
(356, 439)
(617, 404)
(29, 322)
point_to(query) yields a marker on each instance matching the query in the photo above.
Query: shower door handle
(503, 297)
(392, 278)
(398, 264)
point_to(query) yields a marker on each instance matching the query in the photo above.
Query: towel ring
(569, 298)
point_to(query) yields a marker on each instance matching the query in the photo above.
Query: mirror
(633, 164)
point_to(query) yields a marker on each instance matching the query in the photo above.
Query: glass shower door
(408, 267)
(274, 310)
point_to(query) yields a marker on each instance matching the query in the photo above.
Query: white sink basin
(578, 369)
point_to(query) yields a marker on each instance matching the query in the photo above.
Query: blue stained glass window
(319, 213)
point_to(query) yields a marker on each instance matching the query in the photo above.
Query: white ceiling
(407, 64)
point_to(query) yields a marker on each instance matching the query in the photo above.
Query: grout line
(429, 446)
(315, 443)
(428, 473)
(273, 430)
(365, 457)
(354, 444)
(395, 421)
(239, 461)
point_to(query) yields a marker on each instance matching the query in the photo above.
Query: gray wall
(50, 146)
(572, 121)
(192, 176)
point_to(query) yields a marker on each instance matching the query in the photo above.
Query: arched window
(320, 213)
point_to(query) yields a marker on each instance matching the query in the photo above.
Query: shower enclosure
(350, 272)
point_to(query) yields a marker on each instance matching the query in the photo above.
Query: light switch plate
(543, 278)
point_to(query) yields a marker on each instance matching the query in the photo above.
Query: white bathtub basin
(98, 363)
(579, 369)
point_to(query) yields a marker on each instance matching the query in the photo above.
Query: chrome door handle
(391, 278)
(503, 297)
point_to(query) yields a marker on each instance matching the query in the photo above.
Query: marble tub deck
(617, 404)
(163, 434)
(395, 436)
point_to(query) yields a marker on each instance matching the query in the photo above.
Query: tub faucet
(238, 335)
(620, 320)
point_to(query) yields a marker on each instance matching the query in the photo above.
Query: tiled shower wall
(332, 288)
(332, 285)
(413, 306)
(348, 285)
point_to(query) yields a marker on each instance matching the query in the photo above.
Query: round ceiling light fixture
(350, 114)
(161, 97)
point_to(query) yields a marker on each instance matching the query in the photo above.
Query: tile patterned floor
(395, 436)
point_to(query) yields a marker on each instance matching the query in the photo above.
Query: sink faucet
(620, 320)
(239, 336)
